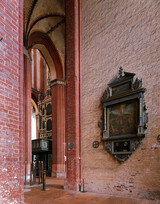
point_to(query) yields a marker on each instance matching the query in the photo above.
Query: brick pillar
(58, 128)
(28, 113)
(73, 139)
(35, 68)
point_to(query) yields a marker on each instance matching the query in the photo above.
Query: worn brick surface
(11, 101)
(120, 33)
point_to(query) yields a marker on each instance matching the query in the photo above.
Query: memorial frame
(124, 115)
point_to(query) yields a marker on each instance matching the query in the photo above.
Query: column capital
(27, 54)
(58, 82)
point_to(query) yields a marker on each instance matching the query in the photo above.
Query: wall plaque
(71, 145)
(124, 118)
(95, 144)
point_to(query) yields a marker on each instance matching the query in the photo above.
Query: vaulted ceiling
(44, 29)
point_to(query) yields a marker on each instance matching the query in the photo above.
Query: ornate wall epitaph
(45, 114)
(124, 119)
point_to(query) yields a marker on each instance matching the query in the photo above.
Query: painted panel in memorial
(49, 109)
(49, 125)
(123, 118)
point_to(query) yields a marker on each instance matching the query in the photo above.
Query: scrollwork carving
(100, 125)
(106, 94)
(145, 120)
(137, 84)
(108, 146)
(121, 158)
(135, 144)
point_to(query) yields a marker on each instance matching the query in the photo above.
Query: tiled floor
(55, 194)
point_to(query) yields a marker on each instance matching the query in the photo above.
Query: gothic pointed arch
(42, 39)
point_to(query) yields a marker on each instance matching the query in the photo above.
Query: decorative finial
(121, 72)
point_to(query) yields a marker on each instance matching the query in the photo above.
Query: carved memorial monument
(124, 119)
(42, 147)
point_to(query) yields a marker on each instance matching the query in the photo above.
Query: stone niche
(124, 118)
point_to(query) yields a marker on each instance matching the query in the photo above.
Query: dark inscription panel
(121, 88)
(123, 146)
(49, 109)
(40, 122)
(43, 111)
(49, 125)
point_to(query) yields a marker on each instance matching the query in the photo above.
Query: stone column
(28, 113)
(58, 128)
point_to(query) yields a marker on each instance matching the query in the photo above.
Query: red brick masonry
(11, 101)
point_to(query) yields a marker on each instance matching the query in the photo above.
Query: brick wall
(11, 101)
(120, 33)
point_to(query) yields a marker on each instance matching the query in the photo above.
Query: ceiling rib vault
(48, 18)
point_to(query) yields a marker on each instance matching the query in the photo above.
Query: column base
(28, 168)
(71, 186)
(58, 174)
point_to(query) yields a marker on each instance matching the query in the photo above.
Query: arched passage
(58, 102)
(66, 118)
(42, 39)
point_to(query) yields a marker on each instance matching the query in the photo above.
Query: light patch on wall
(33, 126)
(4, 170)
(32, 68)
(38, 70)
